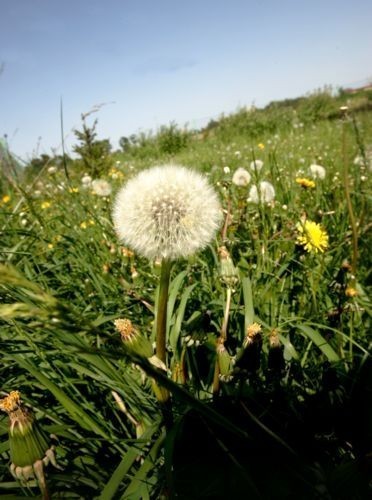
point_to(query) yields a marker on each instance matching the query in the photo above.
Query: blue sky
(156, 61)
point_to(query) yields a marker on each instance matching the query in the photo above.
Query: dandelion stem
(348, 203)
(161, 313)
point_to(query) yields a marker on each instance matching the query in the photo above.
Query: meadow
(264, 388)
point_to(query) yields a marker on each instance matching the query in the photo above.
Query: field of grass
(267, 328)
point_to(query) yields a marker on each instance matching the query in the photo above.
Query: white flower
(241, 177)
(101, 187)
(267, 193)
(167, 211)
(256, 165)
(317, 171)
(52, 169)
(86, 180)
(226, 170)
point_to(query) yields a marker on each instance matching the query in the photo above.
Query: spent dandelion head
(241, 177)
(265, 193)
(167, 211)
(256, 165)
(312, 236)
(101, 187)
(317, 171)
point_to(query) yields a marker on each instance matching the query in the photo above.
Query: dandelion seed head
(241, 177)
(167, 211)
(265, 192)
(101, 187)
(256, 165)
(317, 171)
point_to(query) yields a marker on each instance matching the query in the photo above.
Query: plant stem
(349, 204)
(161, 313)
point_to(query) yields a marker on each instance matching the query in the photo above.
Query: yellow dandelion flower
(83, 225)
(91, 222)
(350, 292)
(261, 146)
(305, 183)
(50, 246)
(312, 236)
(74, 190)
(5, 199)
(45, 205)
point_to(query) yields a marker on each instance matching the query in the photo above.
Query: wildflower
(226, 170)
(241, 177)
(256, 165)
(167, 211)
(52, 169)
(45, 205)
(312, 237)
(351, 292)
(132, 339)
(86, 181)
(317, 171)
(261, 146)
(305, 183)
(101, 187)
(248, 358)
(265, 193)
(73, 190)
(30, 448)
(5, 199)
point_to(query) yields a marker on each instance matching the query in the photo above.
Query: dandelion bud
(132, 339)
(249, 356)
(30, 448)
(276, 359)
(224, 359)
(228, 272)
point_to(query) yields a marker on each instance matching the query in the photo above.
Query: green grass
(64, 279)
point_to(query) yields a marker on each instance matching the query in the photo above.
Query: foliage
(290, 415)
(95, 154)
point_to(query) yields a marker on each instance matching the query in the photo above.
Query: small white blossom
(52, 169)
(226, 170)
(167, 211)
(86, 181)
(241, 177)
(266, 193)
(256, 165)
(317, 171)
(101, 187)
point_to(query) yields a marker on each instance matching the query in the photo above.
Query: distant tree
(95, 154)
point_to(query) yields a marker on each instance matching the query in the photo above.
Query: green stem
(161, 313)
(349, 204)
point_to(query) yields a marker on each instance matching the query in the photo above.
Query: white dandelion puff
(167, 212)
(241, 177)
(86, 181)
(256, 165)
(266, 193)
(317, 171)
(101, 187)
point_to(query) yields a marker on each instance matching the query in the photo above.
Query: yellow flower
(261, 146)
(74, 190)
(6, 199)
(85, 224)
(50, 246)
(312, 237)
(350, 292)
(45, 205)
(306, 183)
